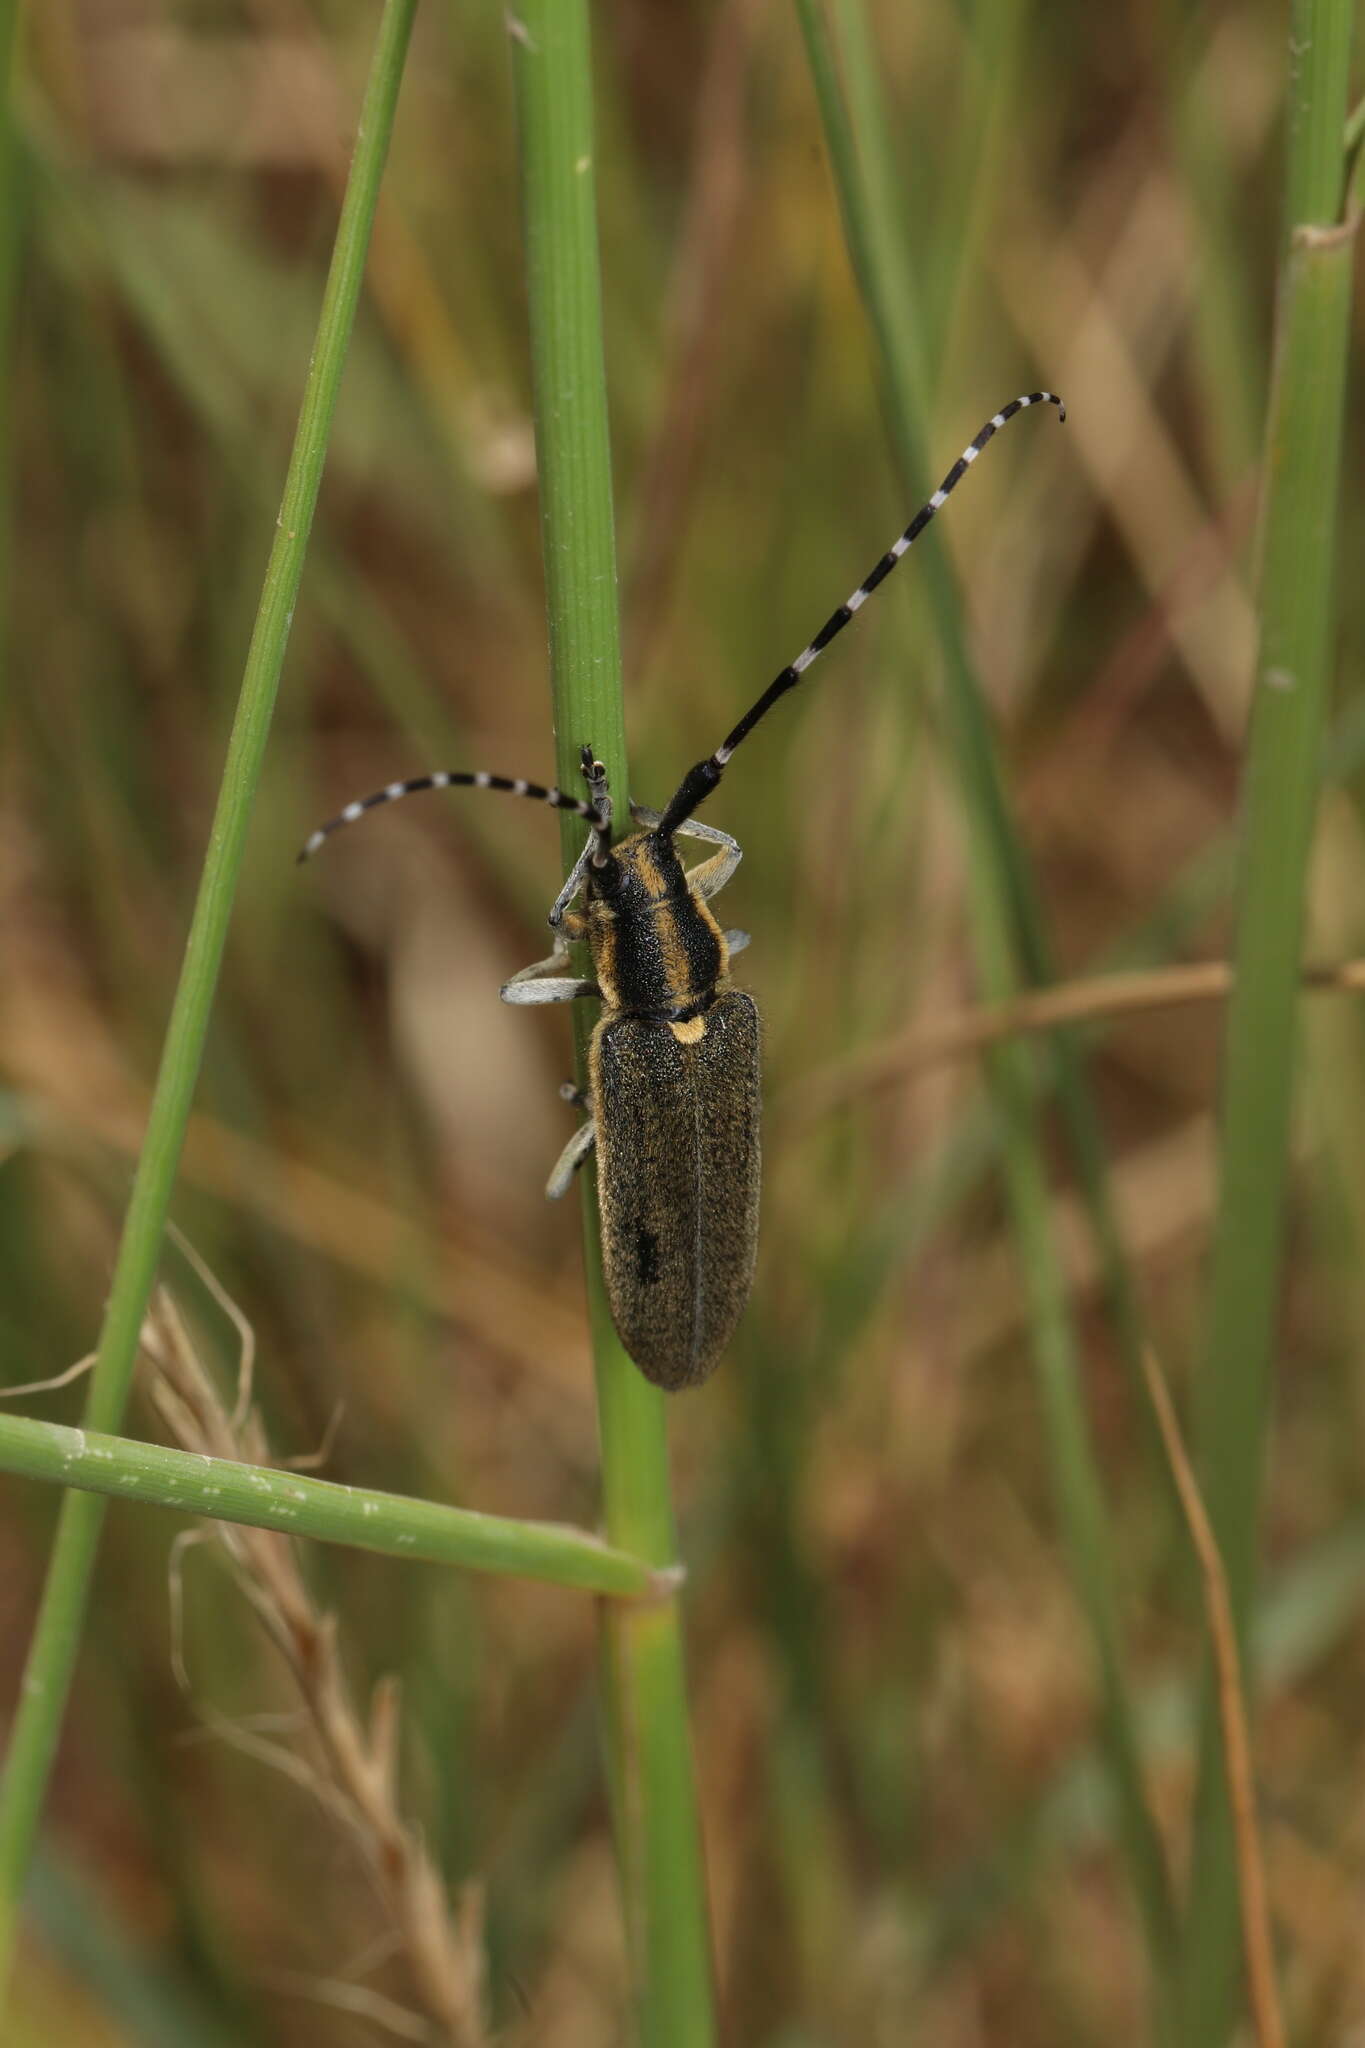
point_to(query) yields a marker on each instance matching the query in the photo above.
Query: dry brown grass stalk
(352, 1762)
(1257, 1941)
(1094, 1000)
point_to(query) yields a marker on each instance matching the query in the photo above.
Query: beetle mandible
(673, 1063)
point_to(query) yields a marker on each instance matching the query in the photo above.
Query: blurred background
(908, 1831)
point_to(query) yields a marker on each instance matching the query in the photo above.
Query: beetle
(674, 1060)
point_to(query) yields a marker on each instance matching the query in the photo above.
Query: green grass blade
(53, 1652)
(154, 2000)
(1298, 531)
(1006, 920)
(268, 1497)
(1227, 328)
(649, 1758)
(897, 312)
(13, 210)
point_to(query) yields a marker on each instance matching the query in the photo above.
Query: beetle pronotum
(673, 1064)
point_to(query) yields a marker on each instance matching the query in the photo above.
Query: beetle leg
(572, 885)
(550, 990)
(598, 849)
(570, 1159)
(541, 983)
(710, 878)
(693, 829)
(542, 988)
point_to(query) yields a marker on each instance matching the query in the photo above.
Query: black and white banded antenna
(699, 782)
(462, 778)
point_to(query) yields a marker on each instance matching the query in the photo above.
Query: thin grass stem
(1008, 929)
(52, 1655)
(1097, 999)
(1300, 473)
(1257, 1939)
(648, 1742)
(897, 311)
(267, 1497)
(13, 211)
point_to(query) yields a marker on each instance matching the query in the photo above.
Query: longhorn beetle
(673, 1098)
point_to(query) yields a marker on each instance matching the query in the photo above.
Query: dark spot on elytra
(646, 1257)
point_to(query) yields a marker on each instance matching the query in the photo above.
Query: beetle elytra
(674, 1060)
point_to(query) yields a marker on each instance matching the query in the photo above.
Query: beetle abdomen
(677, 1110)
